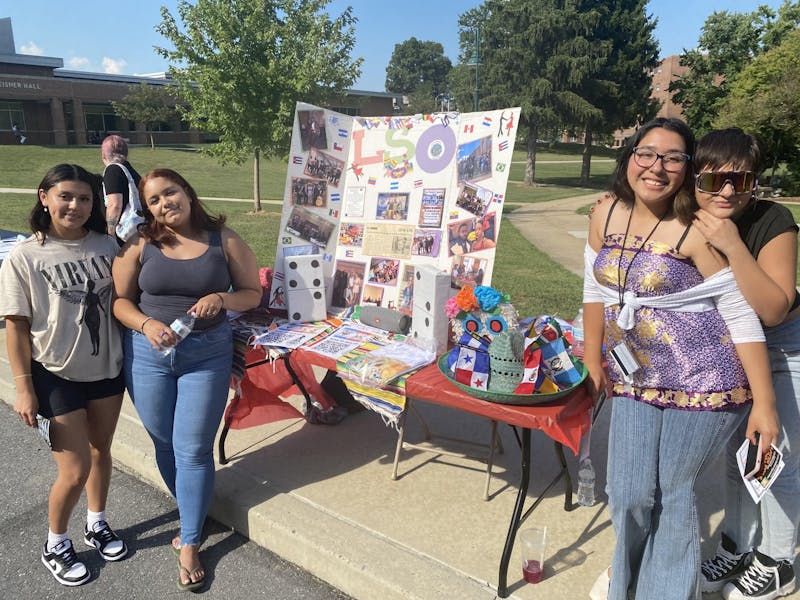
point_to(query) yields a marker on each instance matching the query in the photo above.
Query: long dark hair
(40, 220)
(199, 217)
(619, 184)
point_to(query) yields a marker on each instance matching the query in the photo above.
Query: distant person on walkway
(18, 133)
(114, 153)
(687, 359)
(759, 238)
(183, 261)
(65, 352)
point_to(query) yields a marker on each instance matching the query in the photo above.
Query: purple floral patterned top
(688, 359)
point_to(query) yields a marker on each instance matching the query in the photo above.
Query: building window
(347, 110)
(10, 113)
(100, 117)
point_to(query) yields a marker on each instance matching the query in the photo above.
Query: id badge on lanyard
(625, 361)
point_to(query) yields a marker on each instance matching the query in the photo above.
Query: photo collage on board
(377, 196)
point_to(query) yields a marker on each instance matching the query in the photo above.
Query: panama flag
(469, 361)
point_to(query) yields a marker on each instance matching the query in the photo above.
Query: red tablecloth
(564, 420)
(258, 399)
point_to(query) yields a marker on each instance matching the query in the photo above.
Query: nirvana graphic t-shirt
(64, 289)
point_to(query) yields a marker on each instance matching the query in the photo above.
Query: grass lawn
(211, 179)
(535, 283)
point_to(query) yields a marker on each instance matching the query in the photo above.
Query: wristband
(221, 299)
(141, 329)
(22, 376)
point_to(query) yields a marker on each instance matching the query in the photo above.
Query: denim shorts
(59, 396)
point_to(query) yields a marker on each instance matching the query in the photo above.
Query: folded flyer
(43, 424)
(771, 466)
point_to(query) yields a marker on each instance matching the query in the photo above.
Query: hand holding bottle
(178, 331)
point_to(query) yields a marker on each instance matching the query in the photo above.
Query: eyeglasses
(712, 182)
(671, 161)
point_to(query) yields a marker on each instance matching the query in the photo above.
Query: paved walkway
(556, 229)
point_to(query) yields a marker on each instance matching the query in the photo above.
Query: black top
(762, 222)
(116, 182)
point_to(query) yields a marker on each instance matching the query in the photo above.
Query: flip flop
(192, 585)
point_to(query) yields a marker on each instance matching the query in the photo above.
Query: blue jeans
(771, 525)
(180, 399)
(654, 458)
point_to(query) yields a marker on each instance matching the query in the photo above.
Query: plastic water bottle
(182, 326)
(577, 335)
(586, 483)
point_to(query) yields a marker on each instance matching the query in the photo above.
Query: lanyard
(622, 285)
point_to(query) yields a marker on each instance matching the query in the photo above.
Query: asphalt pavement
(146, 519)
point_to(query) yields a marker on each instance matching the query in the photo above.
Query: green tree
(728, 43)
(776, 30)
(765, 100)
(621, 89)
(242, 65)
(147, 104)
(537, 54)
(461, 80)
(415, 64)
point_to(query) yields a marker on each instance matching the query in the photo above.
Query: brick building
(55, 106)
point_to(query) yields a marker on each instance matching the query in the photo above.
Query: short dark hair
(728, 146)
(40, 220)
(199, 218)
(619, 183)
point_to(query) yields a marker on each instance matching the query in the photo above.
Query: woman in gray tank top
(184, 261)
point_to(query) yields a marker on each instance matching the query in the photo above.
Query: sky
(112, 36)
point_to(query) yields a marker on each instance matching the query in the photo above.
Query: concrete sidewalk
(322, 497)
(556, 229)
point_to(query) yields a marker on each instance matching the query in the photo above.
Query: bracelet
(23, 376)
(221, 299)
(141, 329)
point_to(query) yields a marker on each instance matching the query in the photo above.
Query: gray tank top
(171, 286)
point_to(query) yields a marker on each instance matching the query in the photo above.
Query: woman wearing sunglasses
(759, 238)
(682, 345)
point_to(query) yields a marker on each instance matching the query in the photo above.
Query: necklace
(620, 283)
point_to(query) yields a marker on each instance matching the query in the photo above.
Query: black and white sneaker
(764, 579)
(64, 565)
(108, 544)
(724, 567)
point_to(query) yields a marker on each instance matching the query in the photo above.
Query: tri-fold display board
(377, 196)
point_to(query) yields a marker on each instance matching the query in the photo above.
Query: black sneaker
(764, 579)
(108, 544)
(64, 565)
(724, 567)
